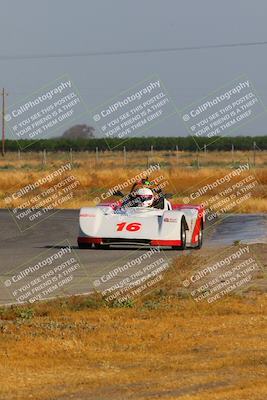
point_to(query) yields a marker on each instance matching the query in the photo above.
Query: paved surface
(20, 250)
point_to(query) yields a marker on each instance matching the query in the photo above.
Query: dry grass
(165, 346)
(96, 178)
(175, 350)
(199, 353)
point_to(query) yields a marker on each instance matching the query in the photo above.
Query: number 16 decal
(132, 227)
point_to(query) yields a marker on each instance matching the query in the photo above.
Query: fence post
(96, 155)
(44, 156)
(254, 154)
(124, 156)
(71, 156)
(197, 159)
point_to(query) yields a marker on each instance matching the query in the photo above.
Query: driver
(142, 197)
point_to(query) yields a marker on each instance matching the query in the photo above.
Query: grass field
(183, 172)
(162, 346)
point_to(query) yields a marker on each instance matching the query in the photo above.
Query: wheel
(200, 237)
(85, 245)
(183, 236)
(101, 246)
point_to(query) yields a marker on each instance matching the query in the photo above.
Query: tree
(79, 132)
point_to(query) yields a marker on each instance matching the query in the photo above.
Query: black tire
(182, 236)
(200, 237)
(84, 245)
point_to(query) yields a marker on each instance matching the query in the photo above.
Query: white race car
(145, 217)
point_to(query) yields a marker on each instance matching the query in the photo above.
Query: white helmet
(144, 197)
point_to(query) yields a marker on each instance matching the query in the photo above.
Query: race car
(143, 217)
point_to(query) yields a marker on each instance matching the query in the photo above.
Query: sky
(43, 28)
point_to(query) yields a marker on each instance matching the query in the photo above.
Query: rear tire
(200, 237)
(183, 236)
(85, 245)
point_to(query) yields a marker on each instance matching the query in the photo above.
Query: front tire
(183, 236)
(200, 237)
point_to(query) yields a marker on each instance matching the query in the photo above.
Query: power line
(134, 51)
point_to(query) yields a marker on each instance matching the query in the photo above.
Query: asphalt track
(19, 248)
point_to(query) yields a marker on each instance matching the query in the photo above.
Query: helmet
(144, 197)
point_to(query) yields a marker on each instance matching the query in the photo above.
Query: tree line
(187, 143)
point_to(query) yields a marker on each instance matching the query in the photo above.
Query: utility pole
(4, 94)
